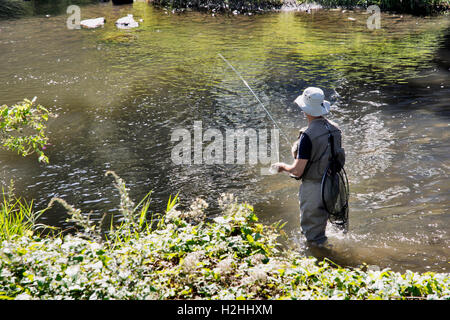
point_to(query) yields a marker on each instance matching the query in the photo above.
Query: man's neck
(311, 118)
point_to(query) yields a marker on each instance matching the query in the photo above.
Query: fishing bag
(334, 187)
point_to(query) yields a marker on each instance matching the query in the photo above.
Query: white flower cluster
(226, 199)
(192, 261)
(196, 213)
(225, 267)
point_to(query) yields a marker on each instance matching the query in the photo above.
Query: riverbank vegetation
(406, 6)
(185, 255)
(235, 6)
(18, 8)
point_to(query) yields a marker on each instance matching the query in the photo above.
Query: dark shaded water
(120, 94)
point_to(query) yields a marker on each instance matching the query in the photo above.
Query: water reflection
(16, 9)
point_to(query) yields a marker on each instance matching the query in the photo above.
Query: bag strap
(330, 141)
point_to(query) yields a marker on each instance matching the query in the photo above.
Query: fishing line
(334, 184)
(254, 94)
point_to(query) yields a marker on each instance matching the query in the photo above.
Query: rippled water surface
(119, 95)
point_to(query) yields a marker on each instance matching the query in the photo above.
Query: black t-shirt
(304, 147)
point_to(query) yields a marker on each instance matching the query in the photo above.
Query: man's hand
(295, 169)
(278, 167)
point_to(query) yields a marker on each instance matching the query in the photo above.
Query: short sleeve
(304, 147)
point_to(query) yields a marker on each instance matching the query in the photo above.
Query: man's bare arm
(296, 169)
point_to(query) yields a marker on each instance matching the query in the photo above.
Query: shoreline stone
(93, 23)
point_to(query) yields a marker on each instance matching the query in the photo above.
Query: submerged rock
(127, 22)
(119, 38)
(93, 23)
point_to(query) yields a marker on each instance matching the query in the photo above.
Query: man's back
(318, 132)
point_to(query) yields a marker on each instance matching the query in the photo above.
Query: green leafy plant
(22, 128)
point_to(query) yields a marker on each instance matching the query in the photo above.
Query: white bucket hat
(312, 102)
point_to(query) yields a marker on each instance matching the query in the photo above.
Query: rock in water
(127, 22)
(93, 23)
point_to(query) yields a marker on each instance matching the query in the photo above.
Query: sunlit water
(119, 98)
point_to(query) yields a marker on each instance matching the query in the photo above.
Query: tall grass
(133, 222)
(17, 217)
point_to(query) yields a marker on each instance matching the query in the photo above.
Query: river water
(119, 95)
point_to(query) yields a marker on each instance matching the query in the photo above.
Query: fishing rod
(262, 105)
(337, 215)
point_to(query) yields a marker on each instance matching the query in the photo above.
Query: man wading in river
(311, 161)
